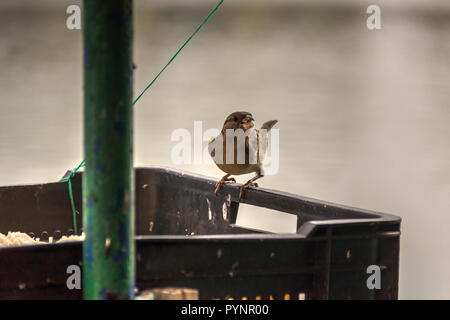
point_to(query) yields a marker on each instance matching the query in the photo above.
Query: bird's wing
(253, 146)
(263, 144)
(264, 139)
(215, 148)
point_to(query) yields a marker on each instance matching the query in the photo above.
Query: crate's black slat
(176, 203)
(223, 267)
(39, 208)
(327, 258)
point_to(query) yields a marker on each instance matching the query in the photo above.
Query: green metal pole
(108, 181)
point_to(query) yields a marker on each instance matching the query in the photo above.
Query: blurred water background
(363, 115)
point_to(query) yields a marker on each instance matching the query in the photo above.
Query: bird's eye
(235, 118)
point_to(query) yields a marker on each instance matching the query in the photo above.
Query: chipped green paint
(108, 195)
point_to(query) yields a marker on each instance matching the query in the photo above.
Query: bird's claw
(218, 185)
(245, 186)
(221, 182)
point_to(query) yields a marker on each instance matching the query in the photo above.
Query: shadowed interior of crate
(168, 202)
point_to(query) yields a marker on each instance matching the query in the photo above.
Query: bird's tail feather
(269, 124)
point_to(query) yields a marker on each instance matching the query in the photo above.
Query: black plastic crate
(326, 259)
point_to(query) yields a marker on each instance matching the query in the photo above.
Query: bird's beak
(247, 122)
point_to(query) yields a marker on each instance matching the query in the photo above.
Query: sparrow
(243, 157)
